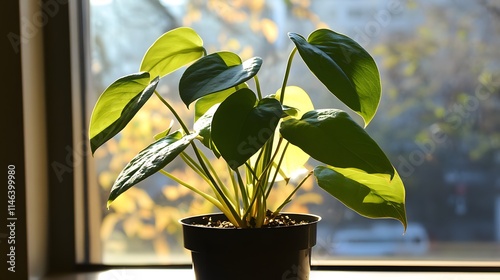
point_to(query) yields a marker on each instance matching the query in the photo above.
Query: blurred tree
(438, 119)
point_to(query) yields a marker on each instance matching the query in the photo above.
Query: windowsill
(187, 274)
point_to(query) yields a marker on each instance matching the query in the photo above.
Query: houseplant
(263, 139)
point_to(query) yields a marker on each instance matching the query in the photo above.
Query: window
(440, 67)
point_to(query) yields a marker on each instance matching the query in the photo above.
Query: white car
(379, 239)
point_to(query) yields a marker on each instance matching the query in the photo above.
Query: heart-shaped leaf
(117, 105)
(171, 51)
(149, 161)
(208, 101)
(295, 158)
(344, 67)
(332, 137)
(371, 195)
(240, 127)
(215, 72)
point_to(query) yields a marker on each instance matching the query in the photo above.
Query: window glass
(438, 120)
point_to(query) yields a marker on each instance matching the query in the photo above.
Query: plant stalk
(202, 163)
(288, 199)
(287, 74)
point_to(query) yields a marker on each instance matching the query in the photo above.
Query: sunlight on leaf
(214, 73)
(332, 137)
(344, 67)
(240, 127)
(203, 126)
(174, 49)
(295, 158)
(117, 105)
(149, 161)
(370, 195)
(203, 104)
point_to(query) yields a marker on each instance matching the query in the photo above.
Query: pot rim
(200, 238)
(183, 222)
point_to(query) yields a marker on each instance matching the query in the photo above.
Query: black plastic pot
(279, 253)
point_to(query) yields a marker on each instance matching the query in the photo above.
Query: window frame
(59, 128)
(69, 201)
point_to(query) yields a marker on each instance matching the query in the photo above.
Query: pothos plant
(262, 138)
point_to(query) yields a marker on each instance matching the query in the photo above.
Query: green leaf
(206, 102)
(214, 73)
(290, 111)
(165, 132)
(149, 161)
(203, 126)
(371, 195)
(294, 159)
(240, 127)
(171, 51)
(344, 67)
(332, 137)
(117, 105)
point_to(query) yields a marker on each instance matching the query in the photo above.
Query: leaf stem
(278, 166)
(208, 197)
(202, 163)
(219, 181)
(193, 165)
(264, 176)
(257, 86)
(198, 169)
(287, 73)
(217, 188)
(243, 190)
(288, 199)
(235, 188)
(177, 117)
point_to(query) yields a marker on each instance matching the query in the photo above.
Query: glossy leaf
(295, 158)
(117, 105)
(171, 51)
(344, 67)
(240, 127)
(332, 137)
(203, 104)
(371, 195)
(149, 161)
(215, 73)
(203, 126)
